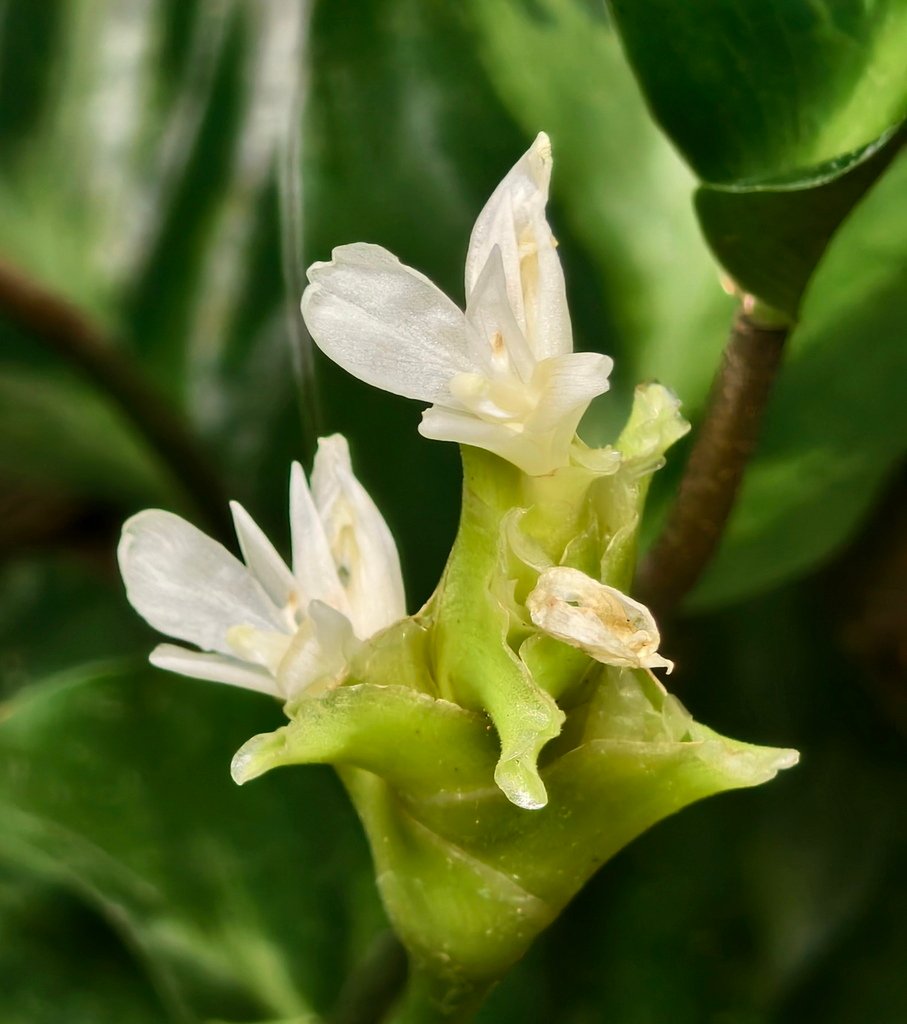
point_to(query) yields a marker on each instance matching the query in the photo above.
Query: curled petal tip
(542, 146)
(254, 758)
(521, 784)
(241, 770)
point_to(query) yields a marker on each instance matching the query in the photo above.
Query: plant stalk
(724, 443)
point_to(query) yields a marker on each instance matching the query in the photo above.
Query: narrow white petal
(360, 541)
(187, 585)
(213, 667)
(256, 647)
(313, 564)
(568, 384)
(550, 329)
(263, 561)
(385, 323)
(511, 442)
(318, 654)
(500, 341)
(514, 220)
(600, 620)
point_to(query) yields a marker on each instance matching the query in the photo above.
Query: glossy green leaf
(117, 783)
(753, 89)
(837, 422)
(169, 119)
(771, 101)
(771, 238)
(80, 597)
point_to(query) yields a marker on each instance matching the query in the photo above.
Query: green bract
(495, 768)
(508, 738)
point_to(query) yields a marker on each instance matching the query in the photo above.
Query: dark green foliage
(137, 884)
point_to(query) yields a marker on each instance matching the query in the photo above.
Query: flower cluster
(503, 377)
(260, 625)
(509, 737)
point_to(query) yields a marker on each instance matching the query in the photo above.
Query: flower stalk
(725, 440)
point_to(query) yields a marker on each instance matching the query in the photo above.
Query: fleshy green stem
(61, 327)
(425, 1003)
(725, 440)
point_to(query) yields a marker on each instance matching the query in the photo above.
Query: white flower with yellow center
(503, 376)
(260, 625)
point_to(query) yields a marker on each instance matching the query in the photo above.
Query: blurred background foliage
(170, 167)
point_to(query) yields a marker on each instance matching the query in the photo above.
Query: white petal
(318, 654)
(493, 327)
(606, 624)
(256, 647)
(213, 667)
(263, 561)
(187, 585)
(385, 323)
(361, 543)
(514, 220)
(510, 442)
(568, 384)
(313, 563)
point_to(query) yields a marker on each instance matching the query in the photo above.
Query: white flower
(259, 625)
(503, 376)
(598, 619)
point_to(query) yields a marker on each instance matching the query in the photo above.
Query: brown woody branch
(724, 442)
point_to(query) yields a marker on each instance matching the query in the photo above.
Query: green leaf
(90, 619)
(168, 119)
(102, 457)
(778, 106)
(770, 238)
(837, 422)
(752, 89)
(43, 983)
(116, 783)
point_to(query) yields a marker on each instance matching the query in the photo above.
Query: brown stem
(375, 986)
(724, 443)
(66, 330)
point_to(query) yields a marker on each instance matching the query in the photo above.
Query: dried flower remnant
(609, 626)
